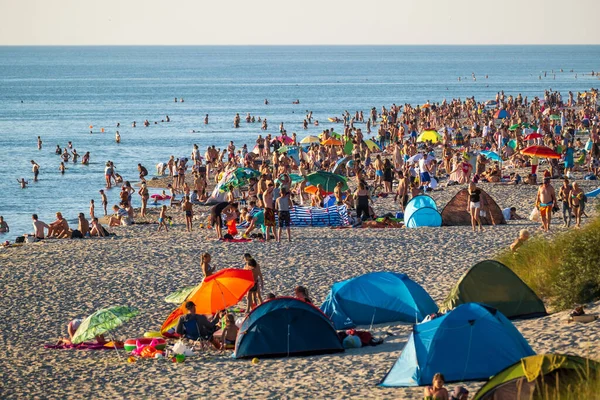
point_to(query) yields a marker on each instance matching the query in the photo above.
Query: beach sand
(46, 284)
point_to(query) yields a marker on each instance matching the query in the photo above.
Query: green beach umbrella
(283, 149)
(327, 180)
(348, 147)
(555, 117)
(514, 127)
(296, 178)
(103, 321)
(239, 177)
(179, 296)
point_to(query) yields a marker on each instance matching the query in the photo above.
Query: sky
(305, 22)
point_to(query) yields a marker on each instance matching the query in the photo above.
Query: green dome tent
(493, 283)
(525, 378)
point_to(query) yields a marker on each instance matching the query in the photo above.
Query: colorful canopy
(533, 136)
(238, 177)
(310, 139)
(541, 152)
(514, 127)
(179, 296)
(283, 139)
(429, 136)
(313, 190)
(372, 145)
(103, 321)
(501, 114)
(327, 180)
(332, 142)
(217, 292)
(491, 155)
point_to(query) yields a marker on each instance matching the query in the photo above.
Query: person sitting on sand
(196, 326)
(230, 332)
(436, 391)
(510, 214)
(459, 393)
(301, 293)
(58, 227)
(98, 229)
(523, 237)
(83, 225)
(38, 227)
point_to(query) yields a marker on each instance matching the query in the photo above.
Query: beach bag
(20, 239)
(76, 234)
(535, 215)
(352, 342)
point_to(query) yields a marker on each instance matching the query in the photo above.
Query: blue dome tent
(376, 298)
(286, 326)
(471, 342)
(421, 211)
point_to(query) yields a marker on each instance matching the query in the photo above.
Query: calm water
(57, 92)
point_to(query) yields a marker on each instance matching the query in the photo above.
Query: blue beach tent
(376, 298)
(421, 211)
(471, 342)
(284, 327)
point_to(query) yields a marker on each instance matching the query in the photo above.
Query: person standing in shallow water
(35, 168)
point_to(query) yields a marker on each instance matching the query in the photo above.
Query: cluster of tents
(422, 211)
(473, 340)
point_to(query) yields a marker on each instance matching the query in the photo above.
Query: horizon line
(302, 45)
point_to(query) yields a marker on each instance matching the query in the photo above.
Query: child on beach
(207, 270)
(162, 219)
(186, 206)
(523, 237)
(229, 335)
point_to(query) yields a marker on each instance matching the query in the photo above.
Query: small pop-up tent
(493, 283)
(524, 379)
(471, 342)
(376, 298)
(421, 211)
(285, 327)
(455, 212)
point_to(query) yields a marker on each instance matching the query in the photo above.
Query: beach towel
(235, 240)
(83, 346)
(301, 216)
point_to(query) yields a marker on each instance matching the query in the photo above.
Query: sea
(57, 93)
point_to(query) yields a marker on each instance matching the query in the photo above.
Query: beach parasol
(490, 155)
(310, 139)
(514, 127)
(340, 163)
(179, 296)
(217, 292)
(102, 321)
(372, 145)
(283, 139)
(533, 136)
(332, 142)
(426, 105)
(313, 190)
(501, 114)
(294, 177)
(283, 149)
(238, 177)
(555, 117)
(541, 152)
(429, 136)
(332, 134)
(327, 180)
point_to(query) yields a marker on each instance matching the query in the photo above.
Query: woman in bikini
(575, 201)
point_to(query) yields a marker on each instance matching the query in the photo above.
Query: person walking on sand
(576, 203)
(544, 201)
(35, 168)
(284, 205)
(162, 223)
(564, 194)
(475, 206)
(186, 206)
(267, 199)
(254, 294)
(143, 192)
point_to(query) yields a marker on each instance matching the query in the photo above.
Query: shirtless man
(545, 200)
(58, 227)
(35, 168)
(378, 165)
(83, 225)
(402, 191)
(186, 206)
(268, 204)
(104, 201)
(38, 227)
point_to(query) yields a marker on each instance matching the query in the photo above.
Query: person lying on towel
(196, 326)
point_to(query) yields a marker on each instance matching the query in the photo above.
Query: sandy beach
(48, 283)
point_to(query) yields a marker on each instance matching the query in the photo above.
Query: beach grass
(586, 388)
(563, 270)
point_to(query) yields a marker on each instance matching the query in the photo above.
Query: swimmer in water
(61, 168)
(118, 137)
(23, 183)
(206, 120)
(39, 142)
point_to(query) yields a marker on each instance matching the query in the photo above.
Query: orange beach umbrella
(540, 151)
(217, 292)
(332, 142)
